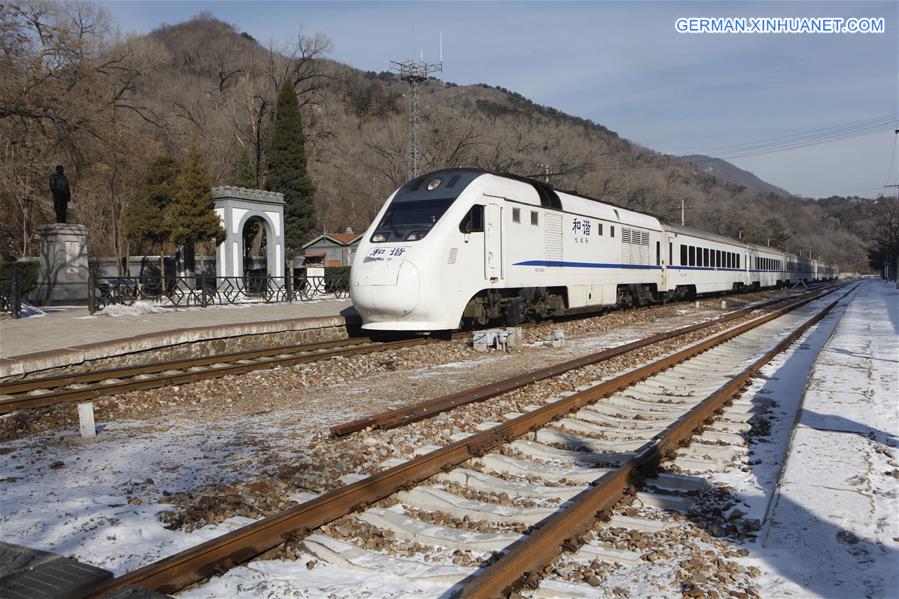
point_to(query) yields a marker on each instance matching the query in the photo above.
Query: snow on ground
(98, 500)
(832, 529)
(288, 578)
(829, 529)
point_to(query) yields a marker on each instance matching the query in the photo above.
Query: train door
(493, 243)
(666, 247)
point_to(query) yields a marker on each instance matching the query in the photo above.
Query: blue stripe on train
(563, 264)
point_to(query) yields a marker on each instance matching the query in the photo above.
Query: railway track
(539, 480)
(427, 409)
(37, 393)
(73, 387)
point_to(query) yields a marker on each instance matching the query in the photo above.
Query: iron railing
(208, 290)
(11, 295)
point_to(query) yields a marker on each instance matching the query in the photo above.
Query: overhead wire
(804, 139)
(893, 156)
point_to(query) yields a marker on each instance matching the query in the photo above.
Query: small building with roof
(331, 249)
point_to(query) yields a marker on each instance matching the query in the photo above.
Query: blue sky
(622, 64)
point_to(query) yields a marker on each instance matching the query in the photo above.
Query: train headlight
(416, 235)
(379, 237)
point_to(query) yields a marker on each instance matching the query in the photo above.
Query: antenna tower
(415, 72)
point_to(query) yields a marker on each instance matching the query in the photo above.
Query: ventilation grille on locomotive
(635, 246)
(553, 237)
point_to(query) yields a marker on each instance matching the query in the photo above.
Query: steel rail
(160, 379)
(218, 555)
(402, 416)
(525, 559)
(62, 380)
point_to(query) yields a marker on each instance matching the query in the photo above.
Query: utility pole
(415, 72)
(896, 131)
(545, 171)
(896, 266)
(683, 207)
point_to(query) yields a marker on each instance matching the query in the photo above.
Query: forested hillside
(106, 107)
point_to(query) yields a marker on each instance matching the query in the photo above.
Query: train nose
(387, 297)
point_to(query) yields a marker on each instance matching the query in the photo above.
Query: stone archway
(237, 207)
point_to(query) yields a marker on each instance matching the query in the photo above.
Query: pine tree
(245, 173)
(145, 222)
(287, 171)
(191, 218)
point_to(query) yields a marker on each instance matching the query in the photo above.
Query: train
(464, 247)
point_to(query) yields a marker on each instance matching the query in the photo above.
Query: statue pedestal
(64, 269)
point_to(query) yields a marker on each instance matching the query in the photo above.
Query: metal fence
(208, 290)
(10, 295)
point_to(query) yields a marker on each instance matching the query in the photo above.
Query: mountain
(725, 171)
(205, 83)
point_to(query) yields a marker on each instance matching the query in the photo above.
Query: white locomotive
(464, 247)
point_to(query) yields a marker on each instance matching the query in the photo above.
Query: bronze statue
(59, 185)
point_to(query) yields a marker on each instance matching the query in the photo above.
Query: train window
(705, 257)
(516, 215)
(535, 218)
(670, 253)
(683, 255)
(717, 258)
(473, 221)
(658, 252)
(738, 260)
(599, 228)
(612, 231)
(410, 220)
(692, 256)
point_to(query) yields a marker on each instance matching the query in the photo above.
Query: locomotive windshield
(420, 203)
(410, 221)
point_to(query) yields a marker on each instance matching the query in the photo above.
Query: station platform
(69, 336)
(832, 529)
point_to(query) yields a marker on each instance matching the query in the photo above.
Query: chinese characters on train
(385, 252)
(581, 228)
